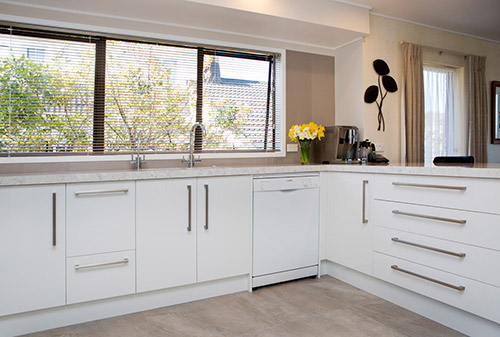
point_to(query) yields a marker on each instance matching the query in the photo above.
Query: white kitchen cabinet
(32, 248)
(469, 295)
(470, 194)
(100, 217)
(93, 277)
(450, 256)
(166, 233)
(224, 214)
(350, 232)
(192, 230)
(438, 237)
(473, 228)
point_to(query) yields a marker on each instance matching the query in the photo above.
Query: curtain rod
(442, 50)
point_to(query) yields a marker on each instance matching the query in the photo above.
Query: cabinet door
(350, 229)
(32, 243)
(166, 233)
(101, 217)
(224, 227)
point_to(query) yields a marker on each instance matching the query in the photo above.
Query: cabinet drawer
(461, 193)
(479, 229)
(100, 276)
(465, 260)
(100, 218)
(478, 298)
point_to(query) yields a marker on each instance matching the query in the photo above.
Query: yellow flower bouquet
(305, 134)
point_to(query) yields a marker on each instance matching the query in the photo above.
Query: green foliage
(24, 93)
(226, 122)
(144, 106)
(48, 107)
(36, 108)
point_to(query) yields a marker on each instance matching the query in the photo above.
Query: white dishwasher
(285, 227)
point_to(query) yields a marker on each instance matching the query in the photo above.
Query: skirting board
(454, 318)
(40, 320)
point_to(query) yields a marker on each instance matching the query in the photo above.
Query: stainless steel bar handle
(449, 285)
(122, 190)
(430, 217)
(95, 265)
(206, 207)
(363, 216)
(189, 208)
(444, 187)
(461, 255)
(54, 219)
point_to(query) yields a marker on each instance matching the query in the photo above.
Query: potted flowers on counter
(305, 134)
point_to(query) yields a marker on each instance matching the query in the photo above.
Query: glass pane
(235, 104)
(441, 112)
(150, 96)
(46, 88)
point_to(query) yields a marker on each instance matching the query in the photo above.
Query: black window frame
(98, 131)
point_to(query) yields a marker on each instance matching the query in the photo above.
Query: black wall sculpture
(372, 92)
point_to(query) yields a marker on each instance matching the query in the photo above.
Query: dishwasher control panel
(284, 182)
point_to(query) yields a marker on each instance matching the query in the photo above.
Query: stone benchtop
(488, 171)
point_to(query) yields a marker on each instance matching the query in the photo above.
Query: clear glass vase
(305, 149)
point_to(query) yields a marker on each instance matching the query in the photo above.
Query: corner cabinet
(349, 230)
(192, 230)
(32, 248)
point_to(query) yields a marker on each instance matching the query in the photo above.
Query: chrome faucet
(137, 161)
(191, 160)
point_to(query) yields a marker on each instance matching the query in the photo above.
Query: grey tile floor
(309, 307)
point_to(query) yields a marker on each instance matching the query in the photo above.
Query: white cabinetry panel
(453, 257)
(350, 231)
(461, 193)
(32, 264)
(166, 233)
(99, 276)
(479, 228)
(100, 217)
(478, 298)
(224, 229)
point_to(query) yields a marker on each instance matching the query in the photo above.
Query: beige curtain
(414, 105)
(478, 112)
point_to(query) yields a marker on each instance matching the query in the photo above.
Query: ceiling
(479, 18)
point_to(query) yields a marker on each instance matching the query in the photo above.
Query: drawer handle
(54, 219)
(443, 187)
(449, 285)
(189, 208)
(430, 217)
(123, 190)
(94, 265)
(363, 216)
(428, 247)
(206, 208)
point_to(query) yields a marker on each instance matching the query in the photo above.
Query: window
(443, 112)
(46, 106)
(72, 94)
(35, 54)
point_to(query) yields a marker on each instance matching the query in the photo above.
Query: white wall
(284, 24)
(349, 106)
(383, 43)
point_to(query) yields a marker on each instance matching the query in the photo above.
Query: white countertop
(487, 171)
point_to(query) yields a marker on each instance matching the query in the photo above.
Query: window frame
(98, 153)
(460, 131)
